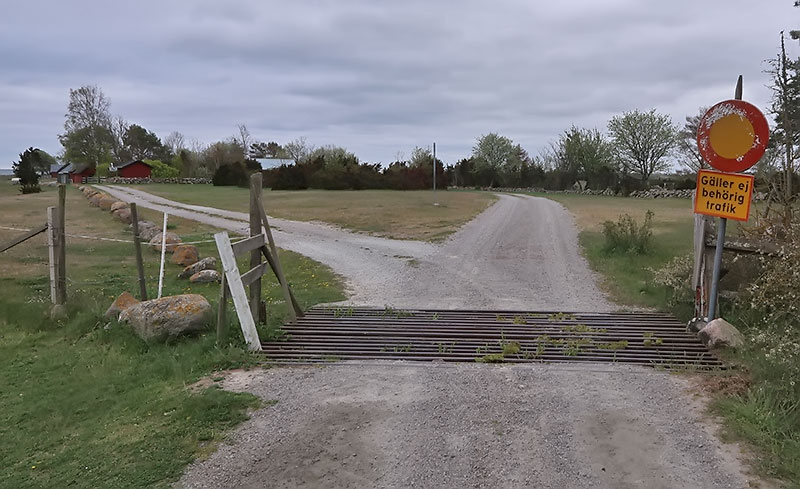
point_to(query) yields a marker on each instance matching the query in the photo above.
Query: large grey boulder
(721, 334)
(124, 301)
(123, 214)
(168, 317)
(171, 241)
(205, 277)
(147, 230)
(207, 263)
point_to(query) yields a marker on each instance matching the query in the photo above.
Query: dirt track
(434, 425)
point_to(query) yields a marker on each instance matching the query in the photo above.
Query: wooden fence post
(255, 256)
(137, 244)
(52, 216)
(61, 286)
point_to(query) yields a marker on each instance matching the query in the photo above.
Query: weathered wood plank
(252, 275)
(237, 291)
(255, 255)
(249, 244)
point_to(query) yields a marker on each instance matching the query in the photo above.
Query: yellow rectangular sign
(723, 194)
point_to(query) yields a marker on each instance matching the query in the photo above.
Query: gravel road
(400, 424)
(521, 253)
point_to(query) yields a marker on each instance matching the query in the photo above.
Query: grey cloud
(379, 77)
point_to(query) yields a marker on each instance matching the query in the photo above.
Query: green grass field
(85, 403)
(390, 213)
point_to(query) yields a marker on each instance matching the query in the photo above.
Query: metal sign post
(731, 137)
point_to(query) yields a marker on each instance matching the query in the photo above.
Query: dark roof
(79, 167)
(65, 168)
(132, 162)
(54, 168)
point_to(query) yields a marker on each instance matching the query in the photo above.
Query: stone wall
(185, 181)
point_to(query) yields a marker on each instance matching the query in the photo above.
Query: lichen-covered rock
(94, 199)
(124, 301)
(123, 214)
(147, 230)
(168, 317)
(172, 240)
(207, 263)
(119, 205)
(721, 334)
(105, 202)
(205, 277)
(185, 255)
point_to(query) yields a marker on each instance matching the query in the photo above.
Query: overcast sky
(379, 77)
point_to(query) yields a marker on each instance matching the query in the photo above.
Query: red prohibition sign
(732, 135)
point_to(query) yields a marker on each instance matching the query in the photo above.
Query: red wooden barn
(134, 169)
(75, 172)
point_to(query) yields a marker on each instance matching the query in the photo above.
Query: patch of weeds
(340, 312)
(491, 358)
(446, 347)
(520, 320)
(403, 348)
(560, 316)
(398, 313)
(628, 236)
(651, 340)
(573, 347)
(511, 348)
(435, 316)
(500, 318)
(582, 328)
(612, 345)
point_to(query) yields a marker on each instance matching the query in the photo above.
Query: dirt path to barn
(385, 424)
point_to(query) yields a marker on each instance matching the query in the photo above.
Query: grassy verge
(84, 402)
(390, 213)
(758, 402)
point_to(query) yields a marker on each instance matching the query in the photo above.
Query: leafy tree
(161, 169)
(490, 154)
(87, 134)
(583, 154)
(175, 142)
(298, 150)
(119, 127)
(25, 170)
(267, 150)
(642, 141)
(421, 158)
(786, 110)
(142, 144)
(221, 153)
(688, 153)
(245, 140)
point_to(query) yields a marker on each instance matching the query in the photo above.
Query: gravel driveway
(396, 424)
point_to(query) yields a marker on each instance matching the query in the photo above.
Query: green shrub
(102, 169)
(676, 277)
(627, 236)
(162, 170)
(231, 174)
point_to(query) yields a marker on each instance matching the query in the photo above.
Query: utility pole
(435, 202)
